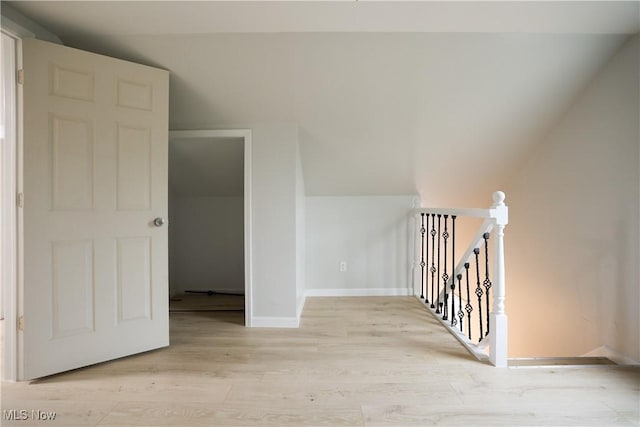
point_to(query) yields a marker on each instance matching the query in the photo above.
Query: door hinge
(20, 77)
(21, 323)
(20, 197)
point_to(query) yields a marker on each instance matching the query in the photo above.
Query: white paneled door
(95, 178)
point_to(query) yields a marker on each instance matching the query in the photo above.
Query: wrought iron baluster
(460, 311)
(468, 307)
(454, 321)
(479, 292)
(426, 257)
(438, 304)
(422, 263)
(487, 282)
(445, 276)
(433, 265)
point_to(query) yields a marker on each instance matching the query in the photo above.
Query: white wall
(572, 241)
(369, 233)
(207, 244)
(274, 224)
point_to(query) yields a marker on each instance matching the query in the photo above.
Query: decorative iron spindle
(433, 265)
(468, 307)
(422, 263)
(438, 304)
(454, 321)
(460, 311)
(479, 292)
(445, 276)
(487, 282)
(426, 257)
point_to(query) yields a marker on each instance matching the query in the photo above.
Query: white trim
(211, 133)
(246, 134)
(614, 356)
(11, 218)
(275, 322)
(8, 170)
(248, 221)
(18, 368)
(472, 212)
(300, 306)
(359, 292)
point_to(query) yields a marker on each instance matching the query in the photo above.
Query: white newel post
(498, 349)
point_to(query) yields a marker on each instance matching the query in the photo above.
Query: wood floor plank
(340, 394)
(526, 414)
(204, 414)
(158, 387)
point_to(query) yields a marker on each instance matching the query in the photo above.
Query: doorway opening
(209, 269)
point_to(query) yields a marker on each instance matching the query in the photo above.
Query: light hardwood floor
(379, 361)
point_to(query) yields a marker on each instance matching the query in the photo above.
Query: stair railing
(459, 291)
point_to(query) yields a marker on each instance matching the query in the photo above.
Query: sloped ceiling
(445, 99)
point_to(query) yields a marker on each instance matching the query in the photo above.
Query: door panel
(71, 163)
(95, 177)
(134, 278)
(134, 168)
(72, 288)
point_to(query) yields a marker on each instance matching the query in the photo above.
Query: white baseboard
(358, 292)
(275, 322)
(300, 306)
(609, 353)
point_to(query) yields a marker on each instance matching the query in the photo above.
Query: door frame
(11, 229)
(245, 134)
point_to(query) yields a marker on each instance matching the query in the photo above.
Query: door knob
(159, 222)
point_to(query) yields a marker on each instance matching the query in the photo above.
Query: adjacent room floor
(206, 302)
(378, 361)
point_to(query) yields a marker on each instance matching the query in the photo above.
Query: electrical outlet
(343, 266)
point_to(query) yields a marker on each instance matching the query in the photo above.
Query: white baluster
(498, 349)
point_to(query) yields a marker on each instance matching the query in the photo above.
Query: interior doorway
(208, 221)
